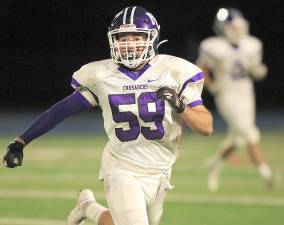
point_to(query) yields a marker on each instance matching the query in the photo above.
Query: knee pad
(252, 135)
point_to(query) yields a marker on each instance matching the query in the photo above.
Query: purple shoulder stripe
(195, 78)
(195, 103)
(75, 84)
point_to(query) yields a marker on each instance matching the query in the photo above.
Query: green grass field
(44, 189)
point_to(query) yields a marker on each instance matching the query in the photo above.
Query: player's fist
(14, 155)
(172, 98)
(259, 72)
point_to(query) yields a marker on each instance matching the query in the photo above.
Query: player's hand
(171, 96)
(213, 88)
(258, 72)
(14, 155)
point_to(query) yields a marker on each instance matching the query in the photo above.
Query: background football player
(231, 60)
(144, 97)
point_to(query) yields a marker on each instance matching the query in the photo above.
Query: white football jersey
(230, 65)
(234, 97)
(142, 129)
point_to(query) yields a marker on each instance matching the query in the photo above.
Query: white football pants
(136, 200)
(238, 110)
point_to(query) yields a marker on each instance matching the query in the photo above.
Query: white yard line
(31, 221)
(26, 221)
(228, 199)
(183, 198)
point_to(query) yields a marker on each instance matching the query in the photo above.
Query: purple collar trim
(132, 75)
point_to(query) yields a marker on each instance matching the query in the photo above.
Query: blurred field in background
(57, 166)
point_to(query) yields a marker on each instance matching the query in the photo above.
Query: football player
(231, 61)
(144, 97)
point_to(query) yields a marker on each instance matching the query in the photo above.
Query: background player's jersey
(230, 65)
(142, 128)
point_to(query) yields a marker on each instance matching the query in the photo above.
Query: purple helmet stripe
(135, 15)
(195, 78)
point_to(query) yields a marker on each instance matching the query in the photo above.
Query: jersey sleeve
(206, 57)
(192, 89)
(81, 82)
(256, 53)
(190, 79)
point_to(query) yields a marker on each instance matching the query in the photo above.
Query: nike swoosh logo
(152, 80)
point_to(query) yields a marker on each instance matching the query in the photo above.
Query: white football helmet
(231, 24)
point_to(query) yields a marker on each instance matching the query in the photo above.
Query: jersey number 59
(146, 113)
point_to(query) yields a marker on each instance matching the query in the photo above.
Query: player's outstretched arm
(198, 118)
(68, 106)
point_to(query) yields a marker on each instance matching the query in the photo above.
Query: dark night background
(44, 42)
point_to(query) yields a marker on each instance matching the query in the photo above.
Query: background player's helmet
(230, 23)
(133, 19)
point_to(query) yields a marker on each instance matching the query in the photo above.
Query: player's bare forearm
(199, 119)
